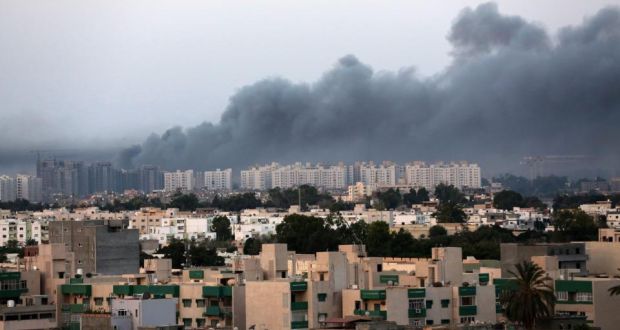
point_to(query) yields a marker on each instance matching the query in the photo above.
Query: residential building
(7, 189)
(567, 258)
(105, 247)
(179, 180)
(218, 180)
(460, 175)
(257, 177)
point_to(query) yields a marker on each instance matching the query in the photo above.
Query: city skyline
(468, 124)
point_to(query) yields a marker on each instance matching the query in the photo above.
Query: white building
(463, 174)
(218, 179)
(329, 177)
(28, 187)
(179, 180)
(7, 189)
(257, 177)
(137, 313)
(383, 175)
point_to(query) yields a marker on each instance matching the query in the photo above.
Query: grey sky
(111, 72)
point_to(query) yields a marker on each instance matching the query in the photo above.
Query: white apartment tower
(329, 177)
(179, 180)
(257, 177)
(28, 187)
(218, 179)
(460, 175)
(383, 175)
(7, 189)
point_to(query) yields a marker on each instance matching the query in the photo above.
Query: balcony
(76, 289)
(373, 294)
(213, 311)
(299, 286)
(416, 293)
(12, 293)
(468, 310)
(374, 314)
(417, 313)
(299, 305)
(75, 308)
(299, 325)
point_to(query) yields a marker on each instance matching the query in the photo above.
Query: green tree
(252, 246)
(574, 226)
(422, 195)
(306, 234)
(402, 244)
(184, 202)
(200, 254)
(236, 202)
(378, 239)
(175, 250)
(221, 226)
(507, 200)
(410, 197)
(448, 194)
(449, 212)
(532, 300)
(436, 231)
(391, 198)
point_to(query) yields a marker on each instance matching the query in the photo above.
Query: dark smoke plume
(511, 90)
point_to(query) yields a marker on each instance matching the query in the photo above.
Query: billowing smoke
(512, 90)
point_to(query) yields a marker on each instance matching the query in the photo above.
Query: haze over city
(206, 85)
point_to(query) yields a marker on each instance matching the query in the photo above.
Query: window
(200, 303)
(358, 304)
(468, 300)
(468, 319)
(584, 296)
(187, 322)
(187, 303)
(322, 296)
(98, 301)
(379, 267)
(416, 303)
(445, 303)
(445, 321)
(416, 322)
(562, 295)
(429, 322)
(200, 323)
(429, 304)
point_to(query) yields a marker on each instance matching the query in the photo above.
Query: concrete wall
(604, 258)
(268, 305)
(116, 252)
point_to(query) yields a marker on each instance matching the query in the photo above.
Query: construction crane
(536, 163)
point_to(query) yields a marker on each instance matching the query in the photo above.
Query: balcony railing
(299, 305)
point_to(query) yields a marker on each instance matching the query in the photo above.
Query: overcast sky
(111, 72)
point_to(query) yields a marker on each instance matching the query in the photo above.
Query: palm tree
(532, 298)
(614, 290)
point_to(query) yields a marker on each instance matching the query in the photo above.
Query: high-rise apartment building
(460, 175)
(257, 177)
(102, 177)
(179, 180)
(329, 177)
(7, 188)
(383, 175)
(150, 178)
(66, 177)
(28, 187)
(218, 179)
